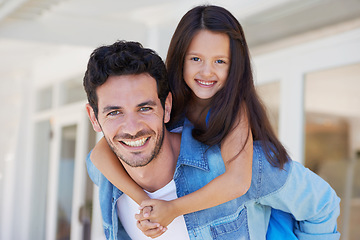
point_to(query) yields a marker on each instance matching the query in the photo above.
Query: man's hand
(150, 229)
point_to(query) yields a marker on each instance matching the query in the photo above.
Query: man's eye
(145, 109)
(196, 59)
(114, 113)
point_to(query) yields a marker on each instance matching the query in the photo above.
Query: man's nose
(131, 124)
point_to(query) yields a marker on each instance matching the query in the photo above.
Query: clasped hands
(154, 217)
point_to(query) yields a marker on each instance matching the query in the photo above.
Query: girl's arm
(109, 165)
(237, 179)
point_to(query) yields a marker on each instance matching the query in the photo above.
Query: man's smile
(135, 143)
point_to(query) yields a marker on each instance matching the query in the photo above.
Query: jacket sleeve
(93, 172)
(313, 203)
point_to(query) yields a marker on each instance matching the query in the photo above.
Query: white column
(24, 161)
(8, 197)
(291, 119)
(15, 174)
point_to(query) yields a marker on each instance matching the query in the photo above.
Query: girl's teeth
(206, 83)
(136, 143)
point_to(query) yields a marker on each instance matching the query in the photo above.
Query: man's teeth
(206, 83)
(136, 143)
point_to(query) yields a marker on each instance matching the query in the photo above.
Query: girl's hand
(162, 212)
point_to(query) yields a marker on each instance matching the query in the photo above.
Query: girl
(210, 77)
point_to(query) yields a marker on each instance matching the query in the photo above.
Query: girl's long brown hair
(238, 90)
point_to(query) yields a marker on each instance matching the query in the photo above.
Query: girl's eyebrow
(193, 53)
(217, 56)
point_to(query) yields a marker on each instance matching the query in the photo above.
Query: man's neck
(159, 171)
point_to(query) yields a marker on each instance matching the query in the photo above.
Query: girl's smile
(205, 83)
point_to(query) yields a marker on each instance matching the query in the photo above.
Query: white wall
(18, 105)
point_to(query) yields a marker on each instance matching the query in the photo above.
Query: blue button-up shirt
(313, 204)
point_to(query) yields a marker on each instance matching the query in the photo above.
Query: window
(72, 91)
(332, 138)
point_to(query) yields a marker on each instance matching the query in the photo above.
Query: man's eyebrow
(147, 103)
(110, 108)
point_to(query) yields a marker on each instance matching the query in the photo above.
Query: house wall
(288, 62)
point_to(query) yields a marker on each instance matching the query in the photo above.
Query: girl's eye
(196, 59)
(220, 61)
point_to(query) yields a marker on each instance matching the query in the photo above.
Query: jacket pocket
(233, 230)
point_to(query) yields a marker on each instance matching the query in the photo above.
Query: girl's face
(207, 63)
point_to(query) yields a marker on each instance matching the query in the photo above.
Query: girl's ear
(92, 117)
(168, 106)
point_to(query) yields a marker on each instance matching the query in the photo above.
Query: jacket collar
(192, 152)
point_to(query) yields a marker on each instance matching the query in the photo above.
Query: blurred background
(306, 62)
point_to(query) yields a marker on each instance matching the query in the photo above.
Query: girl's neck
(197, 111)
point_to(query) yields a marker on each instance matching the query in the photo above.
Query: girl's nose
(207, 69)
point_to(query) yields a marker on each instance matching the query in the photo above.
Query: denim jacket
(296, 190)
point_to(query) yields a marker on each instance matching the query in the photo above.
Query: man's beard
(134, 161)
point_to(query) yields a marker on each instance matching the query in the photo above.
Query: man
(132, 117)
(129, 101)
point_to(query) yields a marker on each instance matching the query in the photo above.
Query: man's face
(131, 117)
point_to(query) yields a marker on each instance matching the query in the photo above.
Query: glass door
(65, 181)
(68, 208)
(40, 165)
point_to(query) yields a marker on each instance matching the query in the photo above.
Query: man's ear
(92, 117)
(168, 106)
